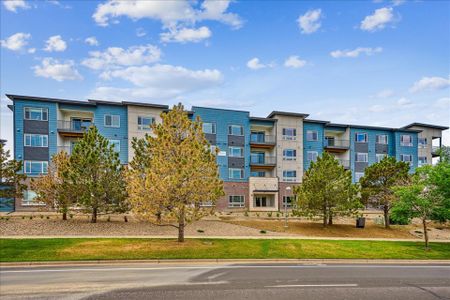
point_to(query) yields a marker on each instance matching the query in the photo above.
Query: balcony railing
(260, 139)
(344, 162)
(74, 126)
(336, 143)
(435, 150)
(259, 160)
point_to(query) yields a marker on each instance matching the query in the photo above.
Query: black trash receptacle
(360, 222)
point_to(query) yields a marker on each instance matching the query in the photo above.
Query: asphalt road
(227, 281)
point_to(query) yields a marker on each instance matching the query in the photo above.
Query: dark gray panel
(381, 148)
(360, 166)
(236, 162)
(235, 140)
(211, 138)
(362, 147)
(33, 126)
(35, 153)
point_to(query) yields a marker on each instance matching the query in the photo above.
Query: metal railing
(262, 139)
(260, 160)
(74, 126)
(344, 162)
(435, 149)
(337, 143)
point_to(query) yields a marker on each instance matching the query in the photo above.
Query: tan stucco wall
(263, 184)
(429, 134)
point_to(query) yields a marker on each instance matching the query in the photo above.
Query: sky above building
(383, 63)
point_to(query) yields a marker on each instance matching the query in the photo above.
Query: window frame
(382, 135)
(112, 125)
(422, 163)
(289, 178)
(362, 153)
(312, 132)
(287, 157)
(32, 202)
(42, 109)
(230, 170)
(141, 127)
(378, 154)
(312, 152)
(235, 147)
(213, 126)
(260, 172)
(236, 204)
(403, 144)
(402, 156)
(285, 203)
(358, 176)
(287, 137)
(422, 145)
(114, 143)
(26, 168)
(366, 137)
(30, 135)
(230, 130)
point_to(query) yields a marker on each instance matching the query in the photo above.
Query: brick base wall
(233, 189)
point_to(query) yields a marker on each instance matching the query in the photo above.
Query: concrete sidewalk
(262, 237)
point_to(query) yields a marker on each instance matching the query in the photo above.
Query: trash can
(360, 222)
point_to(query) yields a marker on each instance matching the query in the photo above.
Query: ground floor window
(236, 201)
(422, 160)
(264, 201)
(288, 200)
(35, 167)
(29, 197)
(358, 176)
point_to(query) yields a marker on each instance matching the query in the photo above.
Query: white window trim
(35, 161)
(311, 152)
(407, 161)
(365, 154)
(111, 126)
(285, 157)
(239, 204)
(140, 127)
(111, 143)
(289, 137)
(31, 135)
(361, 175)
(289, 179)
(404, 144)
(31, 107)
(241, 173)
(312, 131)
(214, 126)
(365, 140)
(387, 139)
(231, 125)
(379, 154)
(236, 147)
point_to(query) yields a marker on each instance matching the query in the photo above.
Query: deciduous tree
(173, 173)
(11, 177)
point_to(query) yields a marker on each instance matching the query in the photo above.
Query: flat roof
(287, 113)
(315, 121)
(426, 126)
(214, 108)
(263, 119)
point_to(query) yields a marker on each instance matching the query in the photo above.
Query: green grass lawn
(15, 250)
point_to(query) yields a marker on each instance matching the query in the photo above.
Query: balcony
(435, 151)
(344, 162)
(262, 141)
(73, 128)
(262, 161)
(336, 145)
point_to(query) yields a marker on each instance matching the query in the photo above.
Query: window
(236, 201)
(35, 167)
(361, 137)
(362, 157)
(406, 140)
(380, 157)
(112, 121)
(264, 201)
(422, 142)
(36, 113)
(358, 176)
(312, 135)
(406, 158)
(115, 144)
(289, 154)
(235, 173)
(290, 175)
(213, 149)
(36, 140)
(312, 155)
(236, 152)
(235, 130)
(422, 160)
(144, 123)
(209, 128)
(288, 200)
(29, 197)
(382, 139)
(258, 174)
(289, 134)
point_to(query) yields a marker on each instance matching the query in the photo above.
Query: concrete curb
(219, 261)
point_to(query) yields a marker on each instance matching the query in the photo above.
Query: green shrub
(246, 213)
(48, 217)
(200, 231)
(31, 217)
(108, 219)
(269, 214)
(71, 216)
(42, 216)
(262, 231)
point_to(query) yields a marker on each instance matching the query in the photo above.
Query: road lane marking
(312, 285)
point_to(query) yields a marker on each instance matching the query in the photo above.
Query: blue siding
(223, 118)
(312, 145)
(413, 150)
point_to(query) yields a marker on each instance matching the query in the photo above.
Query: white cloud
(355, 52)
(380, 18)
(32, 50)
(430, 83)
(140, 32)
(310, 21)
(443, 103)
(13, 5)
(55, 43)
(59, 71)
(92, 41)
(184, 35)
(255, 64)
(170, 13)
(377, 108)
(384, 94)
(114, 57)
(404, 102)
(16, 41)
(398, 2)
(294, 61)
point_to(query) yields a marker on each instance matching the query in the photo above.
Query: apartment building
(260, 159)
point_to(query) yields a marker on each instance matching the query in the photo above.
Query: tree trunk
(64, 216)
(330, 219)
(181, 225)
(386, 216)
(325, 216)
(94, 215)
(425, 233)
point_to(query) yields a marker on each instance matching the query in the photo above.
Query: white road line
(100, 269)
(313, 285)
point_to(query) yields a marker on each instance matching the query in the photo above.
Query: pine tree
(173, 173)
(11, 177)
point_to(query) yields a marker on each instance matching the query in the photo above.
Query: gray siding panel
(211, 138)
(236, 162)
(35, 153)
(235, 140)
(33, 126)
(360, 166)
(381, 148)
(362, 147)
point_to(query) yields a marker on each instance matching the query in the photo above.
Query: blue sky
(370, 62)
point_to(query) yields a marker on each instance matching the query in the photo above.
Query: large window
(312, 155)
(264, 201)
(406, 140)
(289, 133)
(112, 121)
(422, 160)
(209, 128)
(235, 151)
(258, 174)
(382, 139)
(115, 144)
(36, 140)
(380, 157)
(288, 200)
(358, 176)
(235, 130)
(406, 158)
(145, 123)
(36, 113)
(312, 135)
(422, 142)
(35, 167)
(289, 154)
(290, 175)
(235, 173)
(362, 157)
(361, 137)
(29, 197)
(236, 201)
